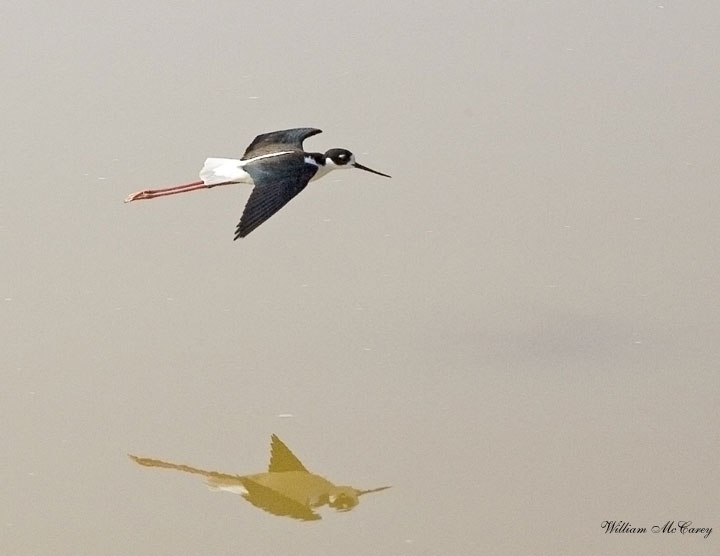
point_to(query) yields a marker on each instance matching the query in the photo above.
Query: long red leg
(152, 193)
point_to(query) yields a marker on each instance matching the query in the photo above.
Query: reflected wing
(276, 141)
(275, 185)
(272, 502)
(282, 459)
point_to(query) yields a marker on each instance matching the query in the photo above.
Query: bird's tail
(226, 483)
(223, 170)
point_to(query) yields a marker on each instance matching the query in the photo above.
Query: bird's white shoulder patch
(269, 155)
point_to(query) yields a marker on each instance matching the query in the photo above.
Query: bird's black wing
(282, 458)
(275, 141)
(275, 503)
(275, 185)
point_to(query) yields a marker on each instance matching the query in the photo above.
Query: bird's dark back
(277, 141)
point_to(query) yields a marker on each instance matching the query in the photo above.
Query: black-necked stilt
(286, 489)
(275, 164)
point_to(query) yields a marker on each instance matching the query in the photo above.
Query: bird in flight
(277, 167)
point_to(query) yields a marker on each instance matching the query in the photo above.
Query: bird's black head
(342, 158)
(343, 498)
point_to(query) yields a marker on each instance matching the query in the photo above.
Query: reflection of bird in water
(287, 489)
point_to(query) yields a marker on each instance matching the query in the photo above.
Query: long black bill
(361, 167)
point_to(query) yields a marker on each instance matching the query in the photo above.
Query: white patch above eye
(345, 161)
